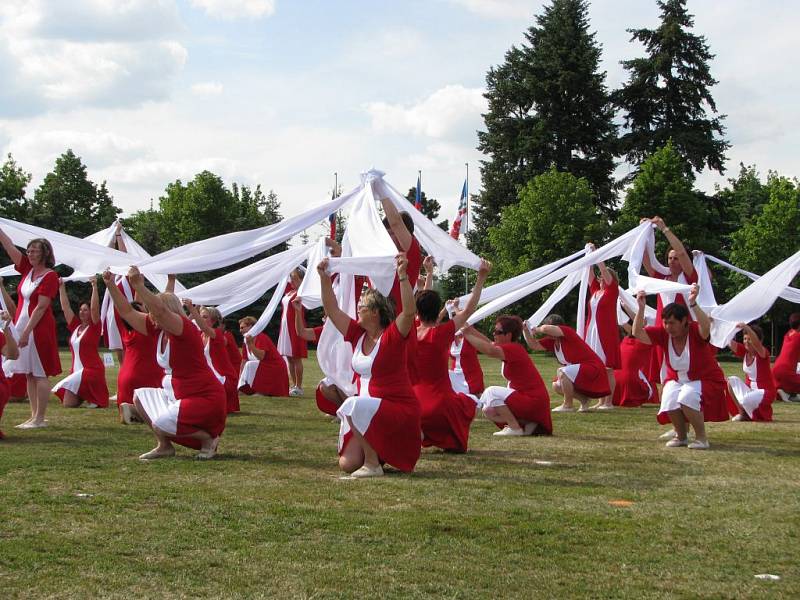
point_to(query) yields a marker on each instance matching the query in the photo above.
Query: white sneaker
(114, 398)
(509, 432)
(676, 443)
(296, 392)
(698, 445)
(563, 408)
(737, 418)
(90, 405)
(366, 471)
(126, 413)
(784, 396)
(668, 435)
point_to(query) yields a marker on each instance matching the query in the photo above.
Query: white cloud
(235, 9)
(444, 112)
(207, 88)
(59, 55)
(498, 9)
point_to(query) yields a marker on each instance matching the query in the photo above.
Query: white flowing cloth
(791, 294)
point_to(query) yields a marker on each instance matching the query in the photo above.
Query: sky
(285, 93)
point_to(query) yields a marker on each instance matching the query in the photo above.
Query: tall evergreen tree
(667, 94)
(548, 107)
(430, 206)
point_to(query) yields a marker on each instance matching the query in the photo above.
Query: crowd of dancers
(415, 364)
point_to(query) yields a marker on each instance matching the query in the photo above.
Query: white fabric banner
(791, 294)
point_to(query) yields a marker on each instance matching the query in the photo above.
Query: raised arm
(637, 329)
(405, 320)
(170, 322)
(532, 342)
(13, 252)
(396, 224)
(549, 330)
(675, 244)
(119, 241)
(307, 333)
(9, 349)
(10, 304)
(132, 317)
(482, 344)
(194, 315)
(251, 345)
(69, 314)
(171, 278)
(94, 302)
(427, 264)
(338, 317)
(460, 318)
(703, 322)
(758, 347)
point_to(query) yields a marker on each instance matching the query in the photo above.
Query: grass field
(513, 518)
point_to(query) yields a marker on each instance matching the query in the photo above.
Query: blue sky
(284, 93)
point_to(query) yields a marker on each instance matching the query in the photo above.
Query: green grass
(524, 517)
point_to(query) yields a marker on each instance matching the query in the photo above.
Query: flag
(455, 230)
(418, 202)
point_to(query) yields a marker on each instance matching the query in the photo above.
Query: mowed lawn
(599, 510)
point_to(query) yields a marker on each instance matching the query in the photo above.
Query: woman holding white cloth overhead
(381, 423)
(694, 388)
(190, 409)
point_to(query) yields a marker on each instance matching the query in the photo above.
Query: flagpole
(466, 229)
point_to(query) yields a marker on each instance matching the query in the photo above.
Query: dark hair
(794, 320)
(48, 256)
(429, 303)
(510, 324)
(758, 331)
(675, 310)
(554, 319)
(407, 221)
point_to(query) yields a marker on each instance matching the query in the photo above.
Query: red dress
(4, 387)
(601, 331)
(323, 404)
(289, 343)
(386, 411)
(664, 298)
(44, 334)
(591, 380)
(633, 388)
(234, 354)
(785, 369)
(87, 378)
(139, 369)
(764, 381)
(114, 325)
(268, 376)
(529, 401)
(446, 415)
(414, 256)
(703, 367)
(217, 353)
(201, 396)
(463, 356)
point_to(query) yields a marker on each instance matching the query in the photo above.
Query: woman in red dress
(632, 386)
(601, 332)
(291, 346)
(694, 389)
(34, 323)
(208, 319)
(86, 381)
(753, 396)
(8, 349)
(582, 374)
(190, 409)
(787, 380)
(446, 415)
(523, 406)
(263, 369)
(466, 374)
(232, 348)
(382, 423)
(17, 382)
(140, 368)
(113, 324)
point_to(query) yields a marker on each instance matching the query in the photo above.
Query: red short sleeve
(317, 333)
(49, 285)
(354, 332)
(657, 335)
(739, 349)
(23, 266)
(548, 344)
(74, 324)
(151, 327)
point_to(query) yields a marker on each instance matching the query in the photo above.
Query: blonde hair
(374, 300)
(213, 312)
(247, 321)
(171, 301)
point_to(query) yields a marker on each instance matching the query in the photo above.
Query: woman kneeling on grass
(190, 409)
(753, 396)
(694, 389)
(382, 423)
(86, 381)
(522, 407)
